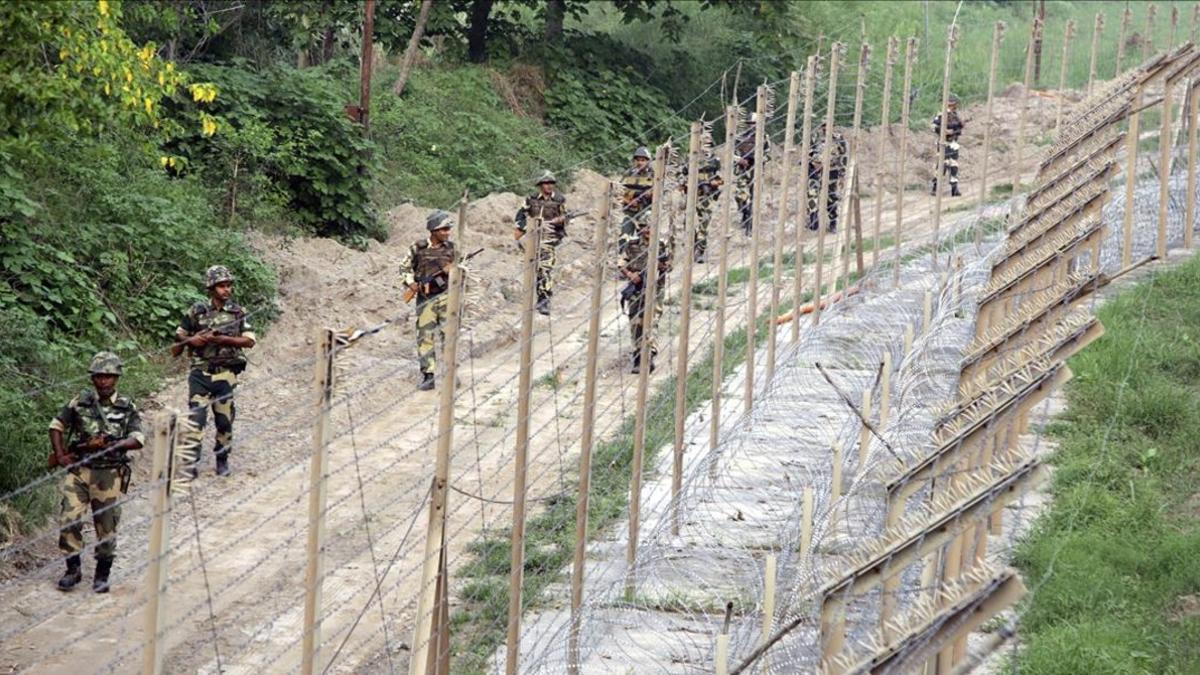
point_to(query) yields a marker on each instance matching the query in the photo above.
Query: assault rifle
(82, 449)
(410, 292)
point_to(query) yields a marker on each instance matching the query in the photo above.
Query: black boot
(223, 464)
(954, 190)
(933, 188)
(637, 362)
(100, 581)
(543, 306)
(71, 578)
(426, 382)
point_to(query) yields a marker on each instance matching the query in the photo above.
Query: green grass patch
(1114, 560)
(766, 266)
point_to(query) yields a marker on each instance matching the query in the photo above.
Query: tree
(477, 30)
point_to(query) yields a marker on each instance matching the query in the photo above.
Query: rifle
(410, 292)
(82, 449)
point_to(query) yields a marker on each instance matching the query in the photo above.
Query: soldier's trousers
(634, 311)
(831, 205)
(704, 211)
(629, 226)
(547, 259)
(208, 390)
(99, 490)
(431, 316)
(949, 165)
(744, 196)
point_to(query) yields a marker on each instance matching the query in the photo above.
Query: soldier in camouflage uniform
(743, 171)
(91, 437)
(214, 333)
(549, 205)
(838, 158)
(954, 127)
(426, 271)
(637, 197)
(634, 268)
(708, 191)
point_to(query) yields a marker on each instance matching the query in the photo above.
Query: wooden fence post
(760, 139)
(885, 389)
(806, 521)
(864, 434)
(587, 429)
(157, 573)
(649, 305)
(1195, 21)
(769, 574)
(685, 321)
(997, 38)
(810, 68)
(1148, 38)
(853, 218)
(1174, 27)
(1097, 30)
(910, 53)
(822, 200)
(317, 484)
(1189, 218)
(836, 480)
(726, 206)
(1068, 33)
(938, 178)
(785, 209)
(1126, 16)
(1018, 157)
(1131, 153)
(885, 119)
(1164, 166)
(516, 579)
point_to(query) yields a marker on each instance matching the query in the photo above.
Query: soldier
(215, 334)
(954, 127)
(549, 205)
(708, 191)
(744, 148)
(634, 268)
(91, 437)
(838, 158)
(636, 199)
(426, 272)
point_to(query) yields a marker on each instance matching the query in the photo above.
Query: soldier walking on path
(838, 158)
(426, 273)
(91, 437)
(954, 127)
(708, 191)
(635, 268)
(548, 205)
(215, 333)
(635, 201)
(746, 165)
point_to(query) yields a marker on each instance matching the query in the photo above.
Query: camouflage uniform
(100, 480)
(708, 192)
(547, 208)
(427, 265)
(838, 159)
(743, 173)
(636, 200)
(634, 259)
(954, 127)
(214, 374)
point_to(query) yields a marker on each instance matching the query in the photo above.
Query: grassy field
(1114, 566)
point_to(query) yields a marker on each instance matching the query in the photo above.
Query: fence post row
(317, 486)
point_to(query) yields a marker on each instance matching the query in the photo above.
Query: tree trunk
(477, 32)
(414, 42)
(555, 13)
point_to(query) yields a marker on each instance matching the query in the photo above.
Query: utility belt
(432, 287)
(115, 461)
(215, 367)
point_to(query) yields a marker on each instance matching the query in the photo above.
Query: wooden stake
(1097, 30)
(806, 521)
(317, 484)
(1174, 26)
(516, 578)
(726, 206)
(1195, 21)
(850, 206)
(938, 178)
(1189, 217)
(685, 321)
(1018, 157)
(760, 138)
(837, 471)
(157, 573)
(910, 53)
(927, 313)
(823, 199)
(908, 339)
(1126, 16)
(864, 435)
(1164, 167)
(885, 119)
(785, 206)
(722, 657)
(1068, 33)
(649, 305)
(587, 429)
(768, 598)
(885, 390)
(1131, 153)
(1148, 39)
(810, 68)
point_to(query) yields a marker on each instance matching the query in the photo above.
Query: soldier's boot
(71, 578)
(698, 255)
(426, 382)
(223, 464)
(636, 365)
(100, 581)
(954, 190)
(543, 305)
(933, 188)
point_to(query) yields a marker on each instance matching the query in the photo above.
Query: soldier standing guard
(954, 127)
(91, 437)
(634, 267)
(214, 333)
(838, 158)
(637, 197)
(426, 272)
(549, 205)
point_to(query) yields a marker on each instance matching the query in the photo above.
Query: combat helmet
(217, 274)
(106, 363)
(547, 177)
(951, 99)
(642, 153)
(438, 220)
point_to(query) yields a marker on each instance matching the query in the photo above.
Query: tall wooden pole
(1131, 153)
(649, 307)
(1126, 16)
(860, 87)
(835, 51)
(1148, 38)
(997, 38)
(516, 579)
(366, 62)
(165, 429)
(760, 137)
(1068, 33)
(685, 321)
(317, 485)
(1018, 157)
(1097, 30)
(726, 206)
(587, 430)
(810, 75)
(1164, 166)
(910, 53)
(1189, 217)
(939, 179)
(785, 210)
(1174, 27)
(885, 120)
(1195, 21)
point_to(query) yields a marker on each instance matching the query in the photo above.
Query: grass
(766, 266)
(1113, 563)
